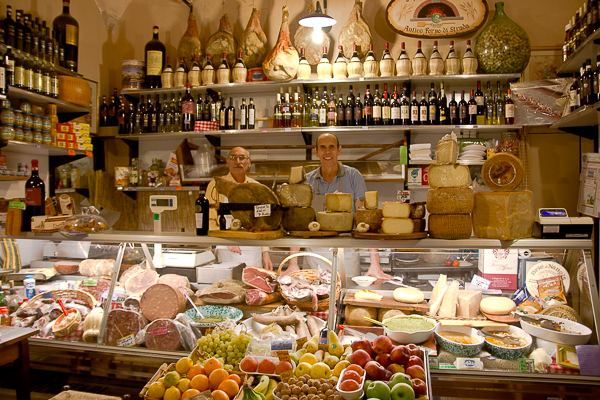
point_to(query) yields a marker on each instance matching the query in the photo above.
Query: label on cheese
(448, 176)
(262, 210)
(502, 172)
(394, 209)
(338, 202)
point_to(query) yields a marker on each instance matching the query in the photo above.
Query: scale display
(553, 212)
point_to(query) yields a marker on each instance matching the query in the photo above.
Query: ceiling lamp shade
(318, 19)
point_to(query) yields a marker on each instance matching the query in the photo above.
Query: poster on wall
(436, 18)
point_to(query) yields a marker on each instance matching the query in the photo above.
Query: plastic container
(82, 224)
(4, 317)
(354, 395)
(509, 143)
(29, 283)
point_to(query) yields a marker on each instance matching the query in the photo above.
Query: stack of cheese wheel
(503, 214)
(396, 218)
(297, 195)
(450, 200)
(338, 216)
(371, 215)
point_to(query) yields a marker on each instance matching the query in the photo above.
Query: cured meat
(121, 323)
(175, 281)
(355, 32)
(222, 41)
(190, 44)
(226, 291)
(260, 278)
(162, 334)
(254, 42)
(97, 267)
(140, 281)
(161, 301)
(132, 303)
(303, 40)
(256, 297)
(281, 64)
(251, 193)
(66, 267)
(102, 285)
(129, 272)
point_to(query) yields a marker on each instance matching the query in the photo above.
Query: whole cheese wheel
(371, 217)
(297, 218)
(335, 221)
(449, 175)
(496, 305)
(451, 226)
(502, 173)
(296, 195)
(450, 201)
(408, 295)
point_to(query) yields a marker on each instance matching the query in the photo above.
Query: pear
(313, 344)
(335, 347)
(297, 355)
(331, 360)
(319, 354)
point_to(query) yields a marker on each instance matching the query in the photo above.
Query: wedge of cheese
(447, 151)
(468, 303)
(297, 175)
(394, 226)
(448, 307)
(367, 295)
(394, 209)
(437, 294)
(449, 175)
(371, 200)
(338, 202)
(335, 221)
(296, 195)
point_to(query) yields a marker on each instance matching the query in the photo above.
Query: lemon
(320, 370)
(309, 358)
(172, 379)
(156, 390)
(184, 365)
(172, 393)
(183, 385)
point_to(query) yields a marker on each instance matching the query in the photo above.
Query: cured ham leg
(375, 268)
(254, 42)
(281, 64)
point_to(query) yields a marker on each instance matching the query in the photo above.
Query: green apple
(378, 390)
(402, 391)
(399, 377)
(367, 383)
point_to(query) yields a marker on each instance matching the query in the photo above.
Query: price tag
(71, 152)
(16, 205)
(262, 210)
(300, 342)
(526, 365)
(90, 282)
(89, 154)
(365, 127)
(403, 196)
(178, 188)
(283, 355)
(38, 146)
(288, 129)
(481, 282)
(286, 376)
(133, 189)
(127, 341)
(434, 363)
(282, 345)
(265, 130)
(162, 330)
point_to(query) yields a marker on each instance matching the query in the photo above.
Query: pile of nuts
(305, 388)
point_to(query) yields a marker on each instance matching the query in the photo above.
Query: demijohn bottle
(154, 56)
(201, 213)
(35, 196)
(68, 28)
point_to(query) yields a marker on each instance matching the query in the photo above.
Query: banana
(250, 394)
(263, 385)
(272, 385)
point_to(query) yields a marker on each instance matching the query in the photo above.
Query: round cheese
(338, 202)
(496, 305)
(371, 217)
(335, 221)
(450, 201)
(296, 195)
(502, 172)
(408, 295)
(297, 218)
(451, 226)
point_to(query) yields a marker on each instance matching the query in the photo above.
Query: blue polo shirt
(352, 182)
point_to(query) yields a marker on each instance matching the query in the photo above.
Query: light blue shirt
(352, 182)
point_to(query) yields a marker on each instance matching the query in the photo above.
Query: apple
(249, 364)
(363, 344)
(388, 375)
(375, 371)
(414, 360)
(357, 368)
(378, 390)
(419, 387)
(359, 357)
(383, 359)
(351, 375)
(400, 355)
(400, 378)
(382, 344)
(402, 391)
(395, 368)
(266, 366)
(349, 386)
(283, 366)
(416, 351)
(415, 371)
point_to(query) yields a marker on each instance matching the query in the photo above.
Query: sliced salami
(64, 267)
(121, 323)
(161, 301)
(162, 334)
(140, 281)
(96, 290)
(132, 303)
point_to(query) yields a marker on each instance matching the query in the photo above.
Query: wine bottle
(509, 113)
(251, 114)
(340, 110)
(473, 109)
(154, 116)
(180, 78)
(443, 108)
(436, 62)
(9, 28)
(166, 78)
(424, 110)
(223, 72)
(138, 117)
(121, 114)
(433, 118)
(103, 112)
(222, 116)
(129, 120)
(369, 106)
(463, 110)
(286, 112)
(359, 112)
(331, 111)
(480, 100)
(349, 119)
(499, 106)
(414, 110)
(419, 61)
(201, 213)
(230, 115)
(323, 110)
(9, 61)
(177, 114)
(113, 109)
(154, 56)
(377, 107)
(297, 111)
(68, 28)
(277, 113)
(35, 196)
(188, 110)
(405, 108)
(243, 115)
(27, 33)
(18, 30)
(453, 110)
(194, 73)
(145, 116)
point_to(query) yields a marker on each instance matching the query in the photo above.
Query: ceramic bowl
(215, 311)
(61, 331)
(409, 337)
(581, 333)
(364, 281)
(355, 394)
(459, 349)
(509, 353)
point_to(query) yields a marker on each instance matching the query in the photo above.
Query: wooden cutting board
(385, 236)
(386, 302)
(310, 234)
(242, 234)
(501, 318)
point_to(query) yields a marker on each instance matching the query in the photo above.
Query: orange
(189, 393)
(230, 387)
(199, 382)
(219, 395)
(236, 378)
(211, 364)
(217, 376)
(195, 370)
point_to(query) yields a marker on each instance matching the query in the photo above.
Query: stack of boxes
(74, 136)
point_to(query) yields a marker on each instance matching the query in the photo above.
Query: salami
(139, 281)
(132, 303)
(121, 323)
(162, 334)
(161, 301)
(101, 286)
(64, 267)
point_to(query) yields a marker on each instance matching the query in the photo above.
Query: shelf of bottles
(160, 188)
(586, 115)
(581, 35)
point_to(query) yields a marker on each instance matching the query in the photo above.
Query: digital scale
(160, 203)
(555, 223)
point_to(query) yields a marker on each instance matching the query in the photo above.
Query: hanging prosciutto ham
(355, 32)
(222, 41)
(282, 62)
(254, 42)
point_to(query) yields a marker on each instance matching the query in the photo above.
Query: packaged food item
(83, 224)
(530, 305)
(122, 176)
(551, 290)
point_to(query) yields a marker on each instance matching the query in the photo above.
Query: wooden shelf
(587, 50)
(583, 116)
(161, 188)
(13, 178)
(35, 149)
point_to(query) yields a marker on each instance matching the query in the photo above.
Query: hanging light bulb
(317, 35)
(318, 20)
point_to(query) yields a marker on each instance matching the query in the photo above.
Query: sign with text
(436, 18)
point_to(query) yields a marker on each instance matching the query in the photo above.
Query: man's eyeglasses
(242, 158)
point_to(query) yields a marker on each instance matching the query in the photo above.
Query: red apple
(414, 360)
(351, 375)
(363, 345)
(400, 355)
(349, 386)
(419, 387)
(416, 372)
(266, 366)
(283, 366)
(388, 375)
(375, 371)
(394, 368)
(415, 350)
(359, 357)
(382, 344)
(249, 364)
(383, 359)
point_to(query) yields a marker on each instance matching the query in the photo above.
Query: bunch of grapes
(225, 345)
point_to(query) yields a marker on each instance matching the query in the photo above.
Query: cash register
(555, 223)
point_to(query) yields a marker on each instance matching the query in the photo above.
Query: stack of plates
(472, 152)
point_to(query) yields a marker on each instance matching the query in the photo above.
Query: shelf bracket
(307, 136)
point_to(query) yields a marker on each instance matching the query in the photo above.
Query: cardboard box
(79, 134)
(61, 143)
(414, 176)
(79, 126)
(83, 140)
(425, 175)
(61, 136)
(71, 145)
(46, 223)
(215, 272)
(63, 128)
(500, 266)
(186, 258)
(70, 137)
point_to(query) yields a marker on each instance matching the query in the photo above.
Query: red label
(33, 196)
(425, 175)
(187, 107)
(89, 154)
(71, 152)
(162, 330)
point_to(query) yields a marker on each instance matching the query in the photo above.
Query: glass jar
(46, 138)
(18, 118)
(7, 116)
(19, 133)
(509, 143)
(37, 122)
(27, 135)
(153, 173)
(37, 136)
(65, 175)
(46, 124)
(503, 46)
(27, 120)
(25, 106)
(7, 132)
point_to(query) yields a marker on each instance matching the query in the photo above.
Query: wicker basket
(63, 293)
(74, 90)
(310, 275)
(161, 372)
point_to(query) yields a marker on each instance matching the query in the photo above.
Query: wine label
(187, 107)
(154, 62)
(510, 111)
(199, 220)
(33, 196)
(72, 35)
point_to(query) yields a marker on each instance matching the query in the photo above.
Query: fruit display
(308, 388)
(225, 345)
